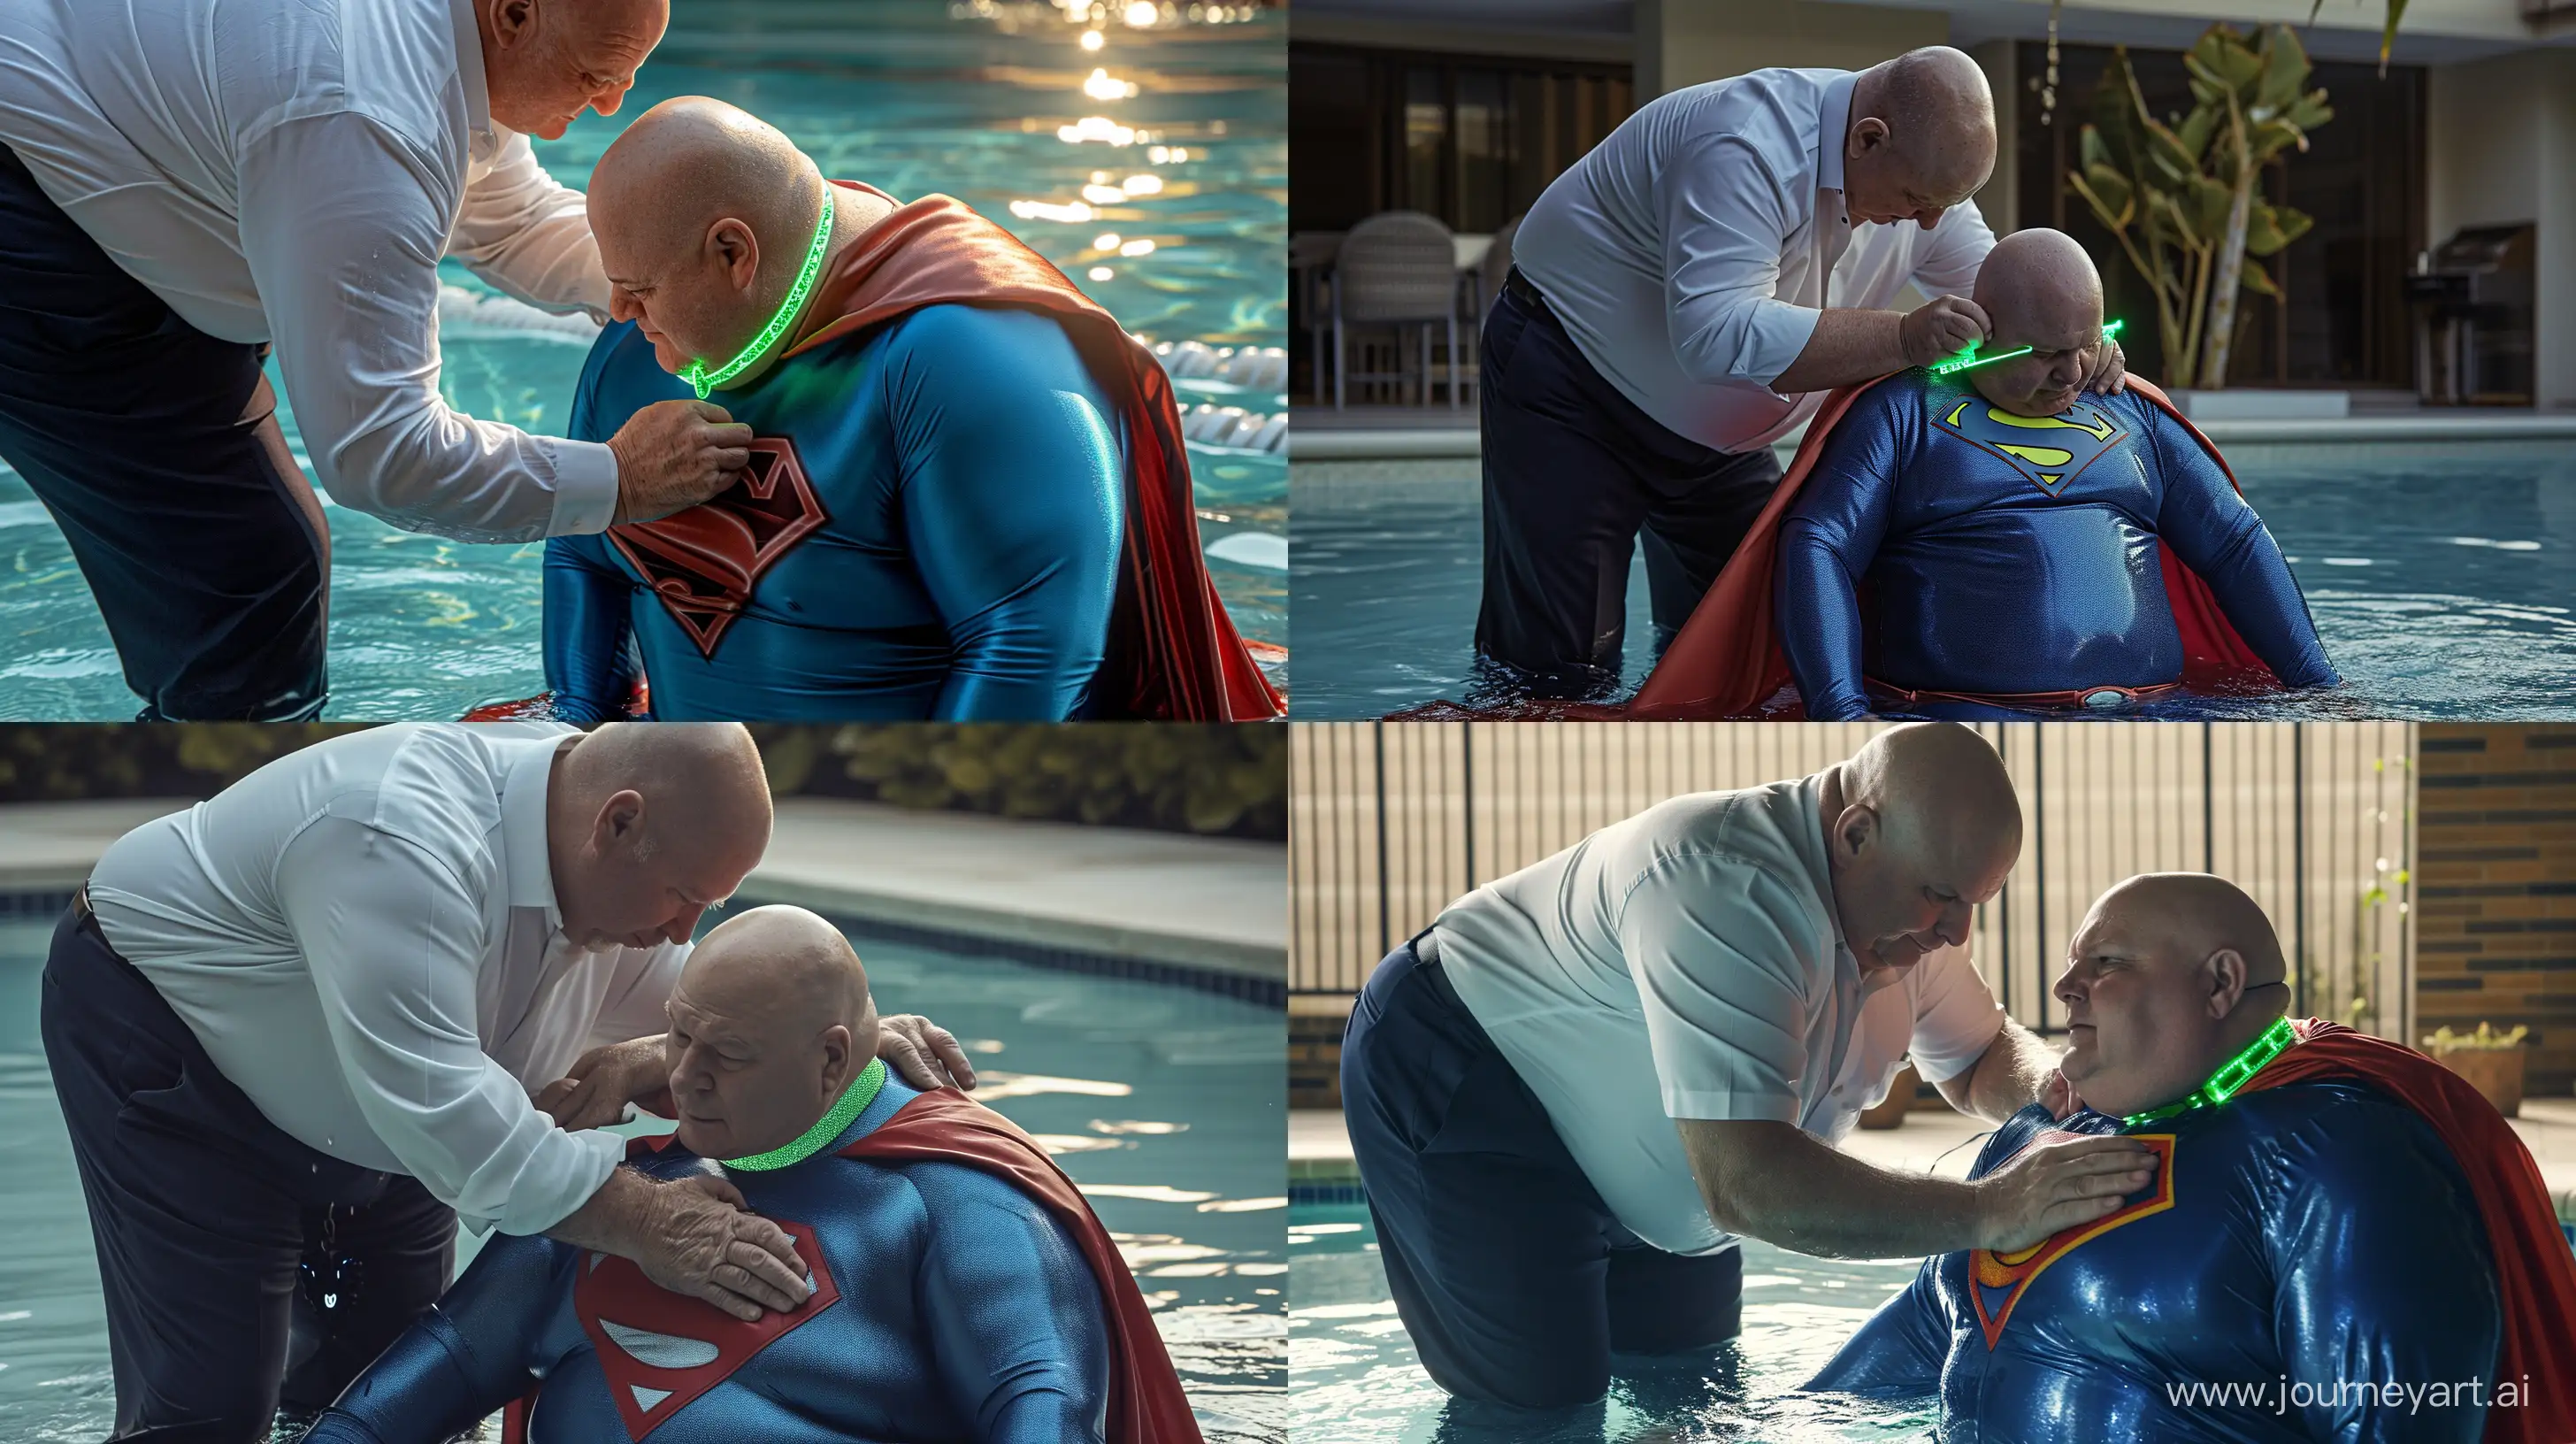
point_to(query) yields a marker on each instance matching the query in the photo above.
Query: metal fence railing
(1390, 821)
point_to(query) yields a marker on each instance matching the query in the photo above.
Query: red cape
(2535, 1270)
(1726, 661)
(1146, 1405)
(1173, 652)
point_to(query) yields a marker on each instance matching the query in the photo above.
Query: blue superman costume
(963, 1292)
(2355, 1213)
(968, 500)
(1956, 555)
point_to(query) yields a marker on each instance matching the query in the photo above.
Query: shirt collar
(1833, 119)
(525, 858)
(469, 73)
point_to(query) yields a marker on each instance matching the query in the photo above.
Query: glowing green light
(1969, 356)
(854, 1101)
(706, 381)
(2231, 1075)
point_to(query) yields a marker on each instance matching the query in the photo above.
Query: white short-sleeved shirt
(364, 936)
(1688, 963)
(1688, 254)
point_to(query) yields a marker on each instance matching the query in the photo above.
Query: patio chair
(1400, 269)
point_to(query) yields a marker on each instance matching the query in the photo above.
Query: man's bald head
(2170, 975)
(2039, 289)
(1921, 825)
(1920, 139)
(650, 823)
(547, 61)
(771, 1021)
(703, 212)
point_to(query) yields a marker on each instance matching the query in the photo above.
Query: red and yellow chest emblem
(2050, 450)
(702, 563)
(1996, 1281)
(658, 1350)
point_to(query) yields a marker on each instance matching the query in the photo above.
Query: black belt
(1518, 287)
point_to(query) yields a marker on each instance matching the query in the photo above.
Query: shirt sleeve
(1826, 548)
(1956, 1017)
(343, 228)
(635, 1005)
(1012, 489)
(529, 235)
(2213, 531)
(1722, 951)
(1960, 241)
(1021, 1334)
(1725, 226)
(394, 939)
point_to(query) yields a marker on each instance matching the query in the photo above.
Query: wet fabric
(2313, 1233)
(1513, 1278)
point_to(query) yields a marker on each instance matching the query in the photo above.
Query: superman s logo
(1997, 1281)
(658, 1350)
(2050, 450)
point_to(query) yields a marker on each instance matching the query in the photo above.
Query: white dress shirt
(1688, 963)
(292, 172)
(363, 934)
(1688, 254)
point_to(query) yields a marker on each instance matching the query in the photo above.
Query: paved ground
(1214, 903)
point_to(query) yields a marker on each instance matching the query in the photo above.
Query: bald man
(1682, 296)
(295, 1030)
(966, 1296)
(964, 471)
(1996, 543)
(2315, 1261)
(1573, 1094)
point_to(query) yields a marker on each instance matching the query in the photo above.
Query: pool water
(1356, 1380)
(2443, 582)
(1164, 1103)
(913, 96)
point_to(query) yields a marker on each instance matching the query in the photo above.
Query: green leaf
(2196, 130)
(2108, 194)
(2285, 68)
(2293, 224)
(2257, 280)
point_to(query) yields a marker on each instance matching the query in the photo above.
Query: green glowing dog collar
(1969, 357)
(854, 1101)
(707, 381)
(2232, 1075)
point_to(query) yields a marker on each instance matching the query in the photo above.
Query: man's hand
(2051, 1186)
(673, 455)
(2110, 370)
(1940, 329)
(693, 1236)
(926, 1054)
(607, 1078)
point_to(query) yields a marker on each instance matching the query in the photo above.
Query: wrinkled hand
(673, 455)
(2056, 1185)
(1940, 329)
(699, 1238)
(2060, 1099)
(2110, 370)
(607, 1078)
(926, 1054)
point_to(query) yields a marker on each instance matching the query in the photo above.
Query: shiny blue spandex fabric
(972, 470)
(2319, 1234)
(966, 1313)
(1944, 544)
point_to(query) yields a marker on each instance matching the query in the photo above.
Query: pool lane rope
(854, 1101)
(2232, 1075)
(707, 381)
(1968, 357)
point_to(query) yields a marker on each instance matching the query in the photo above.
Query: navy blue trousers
(243, 1271)
(157, 449)
(1512, 1277)
(1573, 472)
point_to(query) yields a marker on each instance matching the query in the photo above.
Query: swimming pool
(1163, 1102)
(913, 96)
(2443, 581)
(1353, 1368)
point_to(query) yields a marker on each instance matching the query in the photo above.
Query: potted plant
(2184, 199)
(2490, 1060)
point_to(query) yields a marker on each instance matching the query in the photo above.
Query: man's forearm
(1805, 1195)
(2012, 1075)
(1848, 346)
(612, 1219)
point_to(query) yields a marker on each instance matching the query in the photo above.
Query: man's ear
(1869, 133)
(619, 819)
(839, 1067)
(513, 21)
(1855, 830)
(2226, 971)
(737, 250)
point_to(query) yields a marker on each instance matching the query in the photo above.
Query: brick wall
(2495, 887)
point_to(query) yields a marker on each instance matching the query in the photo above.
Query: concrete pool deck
(1319, 1147)
(1217, 904)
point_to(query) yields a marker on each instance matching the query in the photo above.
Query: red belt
(2084, 699)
